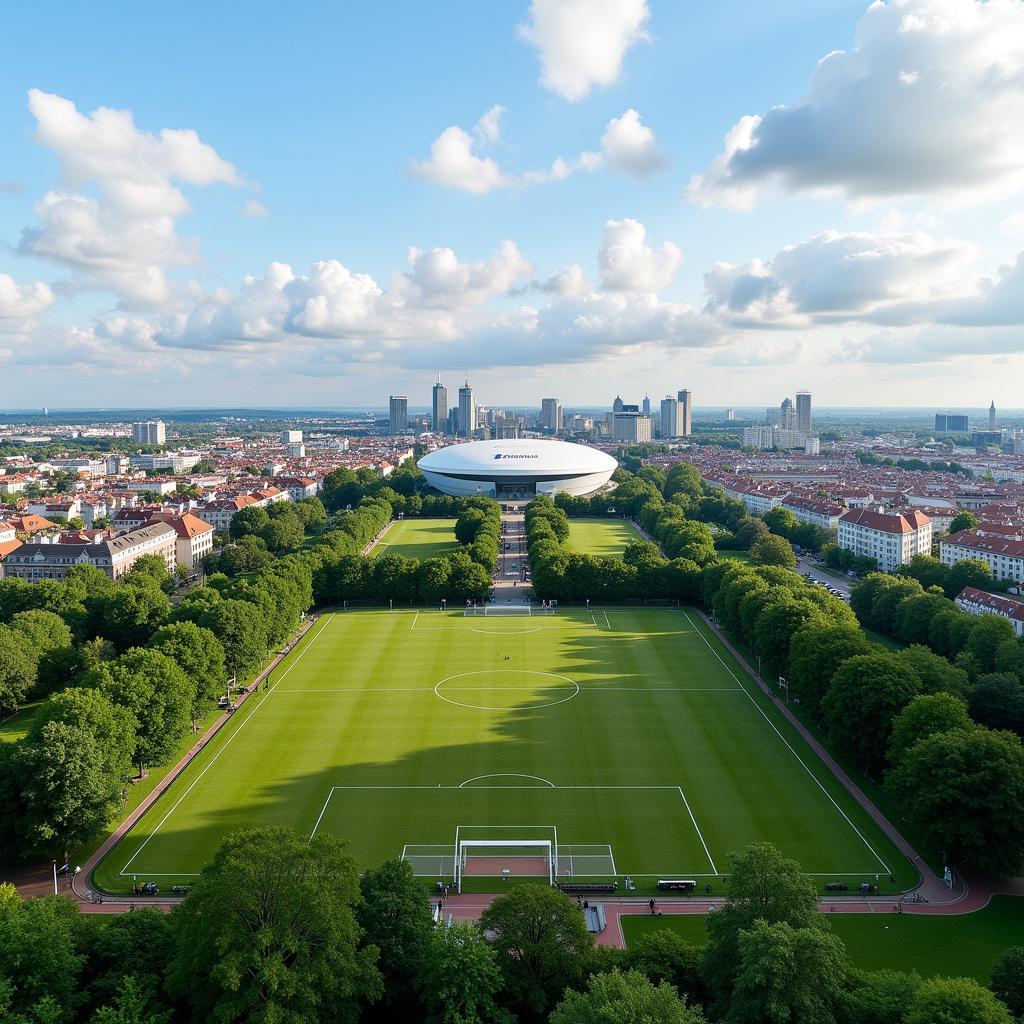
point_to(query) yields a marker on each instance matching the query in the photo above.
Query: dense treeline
(282, 928)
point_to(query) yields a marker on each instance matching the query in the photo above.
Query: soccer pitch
(603, 537)
(630, 731)
(418, 538)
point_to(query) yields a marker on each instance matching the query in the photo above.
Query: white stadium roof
(520, 466)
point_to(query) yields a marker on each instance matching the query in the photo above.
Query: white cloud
(581, 43)
(631, 146)
(1012, 225)
(125, 240)
(488, 128)
(628, 263)
(926, 103)
(23, 301)
(254, 209)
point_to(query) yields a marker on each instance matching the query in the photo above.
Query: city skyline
(576, 206)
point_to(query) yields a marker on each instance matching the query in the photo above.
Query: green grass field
(17, 726)
(628, 732)
(606, 537)
(418, 538)
(959, 946)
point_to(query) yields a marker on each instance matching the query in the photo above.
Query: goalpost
(506, 858)
(500, 609)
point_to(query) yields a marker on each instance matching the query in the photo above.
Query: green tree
(928, 570)
(663, 955)
(37, 953)
(987, 634)
(269, 933)
(879, 997)
(132, 612)
(624, 998)
(18, 668)
(396, 919)
(773, 551)
(815, 653)
(956, 1001)
(937, 674)
(283, 532)
(460, 980)
(787, 974)
(542, 944)
(762, 885)
(924, 716)
(1008, 979)
(132, 1004)
(997, 700)
(247, 555)
(964, 521)
(969, 572)
(200, 655)
(964, 790)
(247, 521)
(866, 693)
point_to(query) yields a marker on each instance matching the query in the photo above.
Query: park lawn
(627, 738)
(964, 945)
(17, 726)
(735, 556)
(602, 537)
(418, 538)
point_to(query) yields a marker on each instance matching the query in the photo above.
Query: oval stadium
(517, 469)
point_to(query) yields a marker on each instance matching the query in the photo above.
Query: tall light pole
(55, 878)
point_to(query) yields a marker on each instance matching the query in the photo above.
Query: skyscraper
(439, 408)
(617, 404)
(551, 414)
(787, 414)
(803, 412)
(150, 432)
(398, 414)
(670, 420)
(685, 399)
(647, 405)
(992, 415)
(467, 411)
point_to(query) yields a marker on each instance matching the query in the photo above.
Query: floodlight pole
(55, 878)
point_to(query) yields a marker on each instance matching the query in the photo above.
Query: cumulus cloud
(627, 263)
(581, 43)
(254, 210)
(837, 276)
(23, 301)
(630, 146)
(921, 106)
(125, 240)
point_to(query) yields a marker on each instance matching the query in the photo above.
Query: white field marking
(606, 622)
(163, 874)
(505, 632)
(224, 745)
(593, 619)
(497, 671)
(323, 810)
(803, 764)
(504, 775)
(697, 827)
(414, 618)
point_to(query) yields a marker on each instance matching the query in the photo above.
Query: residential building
(981, 602)
(291, 437)
(36, 561)
(439, 408)
(671, 421)
(298, 487)
(685, 400)
(759, 437)
(812, 446)
(398, 414)
(891, 538)
(467, 411)
(551, 414)
(948, 423)
(194, 540)
(1002, 553)
(149, 432)
(816, 511)
(631, 425)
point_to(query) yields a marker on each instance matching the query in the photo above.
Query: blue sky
(859, 235)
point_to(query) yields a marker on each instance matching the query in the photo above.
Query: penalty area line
(700, 835)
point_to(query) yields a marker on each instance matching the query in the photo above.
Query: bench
(586, 888)
(678, 884)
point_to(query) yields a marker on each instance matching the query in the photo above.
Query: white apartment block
(1004, 555)
(892, 539)
(980, 602)
(759, 437)
(757, 501)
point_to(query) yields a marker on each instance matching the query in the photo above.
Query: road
(804, 564)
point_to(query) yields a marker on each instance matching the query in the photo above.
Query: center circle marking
(512, 671)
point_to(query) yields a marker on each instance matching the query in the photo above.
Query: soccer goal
(500, 609)
(506, 858)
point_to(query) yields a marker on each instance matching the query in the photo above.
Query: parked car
(836, 887)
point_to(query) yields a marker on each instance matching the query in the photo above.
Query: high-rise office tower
(992, 415)
(150, 432)
(551, 414)
(787, 414)
(398, 414)
(670, 420)
(439, 408)
(467, 411)
(803, 412)
(685, 399)
(646, 405)
(617, 404)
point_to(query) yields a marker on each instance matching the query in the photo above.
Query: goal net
(500, 609)
(506, 858)
(429, 861)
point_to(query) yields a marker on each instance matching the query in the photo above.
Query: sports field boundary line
(700, 835)
(224, 745)
(792, 750)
